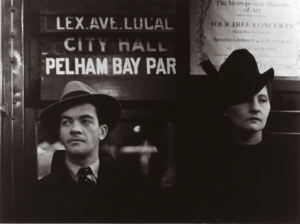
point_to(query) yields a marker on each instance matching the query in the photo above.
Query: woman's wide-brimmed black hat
(108, 108)
(238, 77)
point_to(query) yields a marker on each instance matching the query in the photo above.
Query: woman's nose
(254, 106)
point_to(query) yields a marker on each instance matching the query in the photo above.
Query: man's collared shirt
(73, 170)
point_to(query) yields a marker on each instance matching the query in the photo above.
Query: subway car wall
(136, 51)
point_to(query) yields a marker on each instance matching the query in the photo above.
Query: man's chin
(76, 151)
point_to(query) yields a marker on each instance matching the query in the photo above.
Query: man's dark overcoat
(58, 198)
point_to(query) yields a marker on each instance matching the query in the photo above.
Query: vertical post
(12, 145)
(1, 74)
(168, 145)
(30, 88)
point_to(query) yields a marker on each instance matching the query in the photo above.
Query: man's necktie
(86, 183)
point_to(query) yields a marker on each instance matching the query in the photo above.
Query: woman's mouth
(254, 119)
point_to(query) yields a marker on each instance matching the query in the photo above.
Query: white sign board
(269, 29)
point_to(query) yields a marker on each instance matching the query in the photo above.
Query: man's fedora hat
(239, 77)
(108, 108)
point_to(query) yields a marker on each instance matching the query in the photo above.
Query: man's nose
(255, 106)
(76, 128)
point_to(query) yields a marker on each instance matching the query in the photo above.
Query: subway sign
(95, 65)
(108, 54)
(93, 48)
(72, 23)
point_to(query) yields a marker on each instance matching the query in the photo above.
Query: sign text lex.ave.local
(126, 23)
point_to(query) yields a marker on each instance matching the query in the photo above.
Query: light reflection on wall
(137, 128)
(45, 153)
(145, 151)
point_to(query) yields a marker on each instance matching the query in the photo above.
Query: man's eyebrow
(86, 116)
(80, 117)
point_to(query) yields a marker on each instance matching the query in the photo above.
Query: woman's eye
(263, 100)
(65, 122)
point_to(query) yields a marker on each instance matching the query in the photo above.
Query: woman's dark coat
(236, 183)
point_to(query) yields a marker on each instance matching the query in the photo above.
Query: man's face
(80, 132)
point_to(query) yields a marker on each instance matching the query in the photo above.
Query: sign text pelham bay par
(109, 65)
(87, 49)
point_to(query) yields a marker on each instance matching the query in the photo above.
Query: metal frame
(1, 74)
(12, 145)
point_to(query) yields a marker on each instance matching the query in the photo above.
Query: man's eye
(86, 122)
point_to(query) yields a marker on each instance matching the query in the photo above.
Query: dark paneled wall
(284, 120)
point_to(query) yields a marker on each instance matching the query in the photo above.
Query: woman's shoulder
(273, 140)
(281, 154)
(278, 146)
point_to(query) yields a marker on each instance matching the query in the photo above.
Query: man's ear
(103, 131)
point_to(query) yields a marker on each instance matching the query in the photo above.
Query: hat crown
(76, 88)
(240, 78)
(77, 92)
(239, 65)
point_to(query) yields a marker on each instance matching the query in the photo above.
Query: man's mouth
(75, 140)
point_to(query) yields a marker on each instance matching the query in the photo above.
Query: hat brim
(107, 107)
(258, 84)
(241, 91)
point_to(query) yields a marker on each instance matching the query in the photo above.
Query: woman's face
(251, 116)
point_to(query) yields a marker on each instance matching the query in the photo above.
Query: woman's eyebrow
(65, 117)
(265, 95)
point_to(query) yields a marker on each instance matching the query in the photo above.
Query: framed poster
(270, 30)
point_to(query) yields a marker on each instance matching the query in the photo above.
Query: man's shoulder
(48, 181)
(127, 180)
(109, 163)
(108, 160)
(55, 178)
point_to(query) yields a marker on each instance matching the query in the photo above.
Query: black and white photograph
(150, 111)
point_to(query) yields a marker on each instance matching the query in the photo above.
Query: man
(84, 186)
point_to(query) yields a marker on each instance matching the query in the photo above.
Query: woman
(251, 178)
